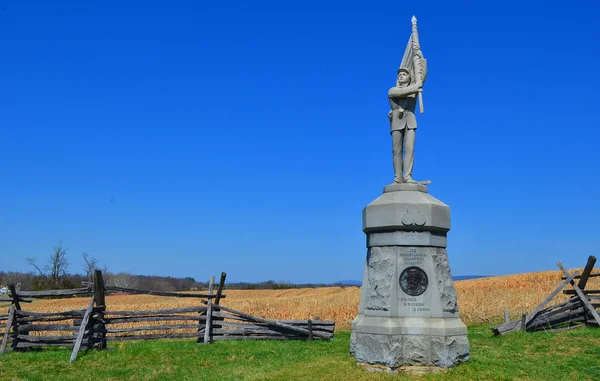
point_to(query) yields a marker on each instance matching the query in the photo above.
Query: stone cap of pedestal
(405, 187)
(406, 211)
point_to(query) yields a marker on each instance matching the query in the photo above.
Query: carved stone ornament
(413, 281)
(413, 217)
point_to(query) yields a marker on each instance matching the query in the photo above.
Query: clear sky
(186, 138)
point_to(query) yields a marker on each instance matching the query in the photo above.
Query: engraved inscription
(413, 258)
(416, 304)
(414, 282)
(413, 236)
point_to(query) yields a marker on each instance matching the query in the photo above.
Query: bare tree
(91, 264)
(56, 269)
(58, 264)
(125, 280)
(15, 278)
(32, 262)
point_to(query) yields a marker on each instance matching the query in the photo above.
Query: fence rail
(47, 293)
(95, 326)
(161, 293)
(577, 312)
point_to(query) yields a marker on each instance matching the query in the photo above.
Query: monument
(408, 314)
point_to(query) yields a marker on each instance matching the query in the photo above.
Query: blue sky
(188, 138)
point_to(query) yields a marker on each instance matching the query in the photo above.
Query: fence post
(585, 275)
(220, 289)
(84, 323)
(15, 323)
(11, 317)
(13, 294)
(100, 300)
(218, 300)
(208, 326)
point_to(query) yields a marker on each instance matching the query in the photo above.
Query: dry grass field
(484, 300)
(480, 300)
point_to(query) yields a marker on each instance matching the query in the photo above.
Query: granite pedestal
(408, 314)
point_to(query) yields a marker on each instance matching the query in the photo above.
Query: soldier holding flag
(403, 100)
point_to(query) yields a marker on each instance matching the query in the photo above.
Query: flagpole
(417, 60)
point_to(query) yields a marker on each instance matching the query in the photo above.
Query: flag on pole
(413, 60)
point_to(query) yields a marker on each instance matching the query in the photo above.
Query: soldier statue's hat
(405, 69)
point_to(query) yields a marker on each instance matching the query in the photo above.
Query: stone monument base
(396, 351)
(408, 313)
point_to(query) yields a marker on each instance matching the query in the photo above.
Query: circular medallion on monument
(413, 281)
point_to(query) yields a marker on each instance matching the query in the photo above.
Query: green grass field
(573, 355)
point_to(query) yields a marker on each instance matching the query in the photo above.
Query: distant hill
(347, 283)
(358, 282)
(465, 277)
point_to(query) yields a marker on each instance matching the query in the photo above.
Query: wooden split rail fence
(577, 312)
(94, 326)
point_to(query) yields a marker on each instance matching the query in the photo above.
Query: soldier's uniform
(403, 124)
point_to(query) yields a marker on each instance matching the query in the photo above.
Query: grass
(573, 355)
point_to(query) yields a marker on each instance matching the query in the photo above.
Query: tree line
(54, 274)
